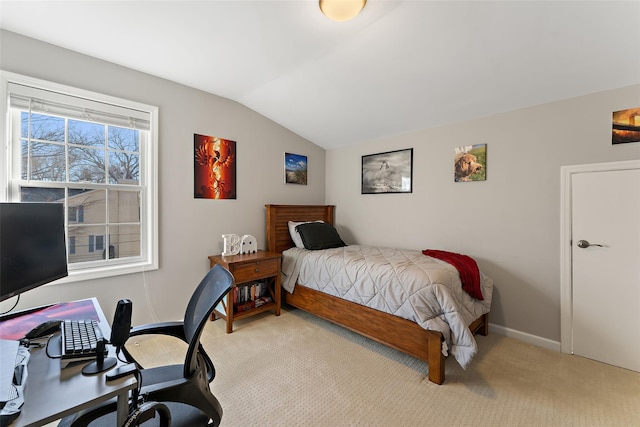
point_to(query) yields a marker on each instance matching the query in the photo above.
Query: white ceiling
(399, 66)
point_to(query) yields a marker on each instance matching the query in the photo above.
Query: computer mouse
(45, 328)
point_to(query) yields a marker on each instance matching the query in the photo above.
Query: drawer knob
(257, 270)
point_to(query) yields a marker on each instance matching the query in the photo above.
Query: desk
(52, 393)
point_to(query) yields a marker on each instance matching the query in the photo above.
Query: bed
(407, 336)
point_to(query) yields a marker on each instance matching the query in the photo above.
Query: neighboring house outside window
(97, 155)
(72, 245)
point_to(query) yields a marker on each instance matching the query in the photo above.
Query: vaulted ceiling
(399, 66)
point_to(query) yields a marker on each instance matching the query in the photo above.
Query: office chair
(183, 388)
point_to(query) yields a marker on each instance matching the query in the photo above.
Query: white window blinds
(39, 100)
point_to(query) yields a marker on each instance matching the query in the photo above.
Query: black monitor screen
(32, 246)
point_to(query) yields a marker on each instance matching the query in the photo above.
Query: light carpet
(298, 370)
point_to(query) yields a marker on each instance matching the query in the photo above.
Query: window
(76, 213)
(72, 245)
(99, 243)
(96, 155)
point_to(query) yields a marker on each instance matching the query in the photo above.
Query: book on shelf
(242, 307)
(250, 295)
(262, 301)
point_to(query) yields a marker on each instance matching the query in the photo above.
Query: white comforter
(402, 282)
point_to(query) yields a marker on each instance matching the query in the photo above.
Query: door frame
(566, 282)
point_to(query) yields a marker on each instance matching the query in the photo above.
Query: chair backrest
(213, 287)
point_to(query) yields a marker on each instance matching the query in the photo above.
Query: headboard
(278, 217)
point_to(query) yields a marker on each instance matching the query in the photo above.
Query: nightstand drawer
(255, 270)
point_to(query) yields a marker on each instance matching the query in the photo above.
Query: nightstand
(257, 285)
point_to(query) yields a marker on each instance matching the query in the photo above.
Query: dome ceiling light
(341, 10)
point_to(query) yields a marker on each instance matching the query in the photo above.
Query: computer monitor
(32, 246)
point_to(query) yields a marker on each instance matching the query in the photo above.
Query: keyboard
(79, 340)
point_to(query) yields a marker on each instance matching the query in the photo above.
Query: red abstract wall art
(214, 168)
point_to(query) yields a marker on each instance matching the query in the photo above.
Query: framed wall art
(626, 126)
(295, 169)
(214, 168)
(390, 172)
(470, 163)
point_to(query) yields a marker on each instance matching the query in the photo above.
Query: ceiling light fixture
(341, 10)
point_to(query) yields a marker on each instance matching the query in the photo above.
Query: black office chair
(183, 388)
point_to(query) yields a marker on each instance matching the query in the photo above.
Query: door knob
(585, 244)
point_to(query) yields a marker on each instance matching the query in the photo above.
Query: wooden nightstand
(252, 272)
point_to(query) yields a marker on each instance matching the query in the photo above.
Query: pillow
(319, 235)
(295, 236)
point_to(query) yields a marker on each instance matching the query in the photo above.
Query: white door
(605, 254)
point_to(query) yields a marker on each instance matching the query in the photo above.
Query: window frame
(148, 259)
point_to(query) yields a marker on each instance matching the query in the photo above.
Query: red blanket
(466, 266)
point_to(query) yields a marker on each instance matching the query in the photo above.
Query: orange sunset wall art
(214, 169)
(626, 126)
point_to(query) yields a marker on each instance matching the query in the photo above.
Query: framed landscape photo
(295, 169)
(390, 172)
(626, 126)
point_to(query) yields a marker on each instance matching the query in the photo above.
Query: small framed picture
(390, 172)
(625, 126)
(295, 169)
(470, 163)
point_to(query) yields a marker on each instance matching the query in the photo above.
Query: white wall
(509, 223)
(190, 229)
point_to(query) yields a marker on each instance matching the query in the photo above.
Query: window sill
(104, 272)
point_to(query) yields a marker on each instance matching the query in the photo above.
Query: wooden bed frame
(385, 328)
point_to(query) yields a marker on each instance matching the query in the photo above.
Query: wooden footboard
(385, 328)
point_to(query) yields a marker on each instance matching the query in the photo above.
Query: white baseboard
(523, 336)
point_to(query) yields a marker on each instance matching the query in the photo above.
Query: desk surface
(14, 326)
(51, 393)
